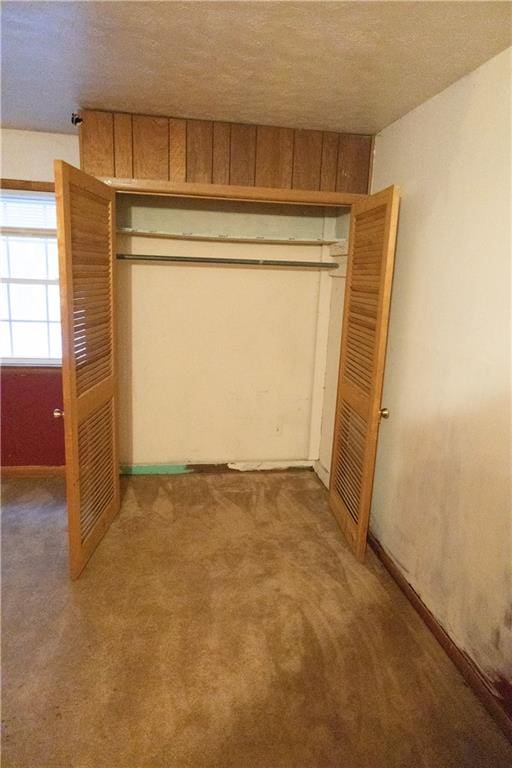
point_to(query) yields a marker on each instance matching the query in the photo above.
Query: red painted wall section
(31, 436)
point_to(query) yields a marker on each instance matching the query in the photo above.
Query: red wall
(31, 436)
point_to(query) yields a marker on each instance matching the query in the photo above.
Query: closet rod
(221, 260)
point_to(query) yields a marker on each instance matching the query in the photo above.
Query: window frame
(23, 185)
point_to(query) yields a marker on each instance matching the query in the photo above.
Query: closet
(109, 310)
(222, 349)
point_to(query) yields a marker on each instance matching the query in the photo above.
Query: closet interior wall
(223, 364)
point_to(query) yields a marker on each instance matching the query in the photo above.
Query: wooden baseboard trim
(32, 471)
(468, 669)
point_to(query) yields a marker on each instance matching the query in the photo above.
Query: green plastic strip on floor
(155, 469)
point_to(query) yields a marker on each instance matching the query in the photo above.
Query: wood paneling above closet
(97, 144)
(207, 152)
(177, 149)
(150, 142)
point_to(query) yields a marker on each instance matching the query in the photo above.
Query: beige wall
(442, 503)
(29, 155)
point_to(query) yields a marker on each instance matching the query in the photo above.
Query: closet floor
(222, 623)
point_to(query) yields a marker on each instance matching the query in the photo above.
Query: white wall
(442, 503)
(29, 155)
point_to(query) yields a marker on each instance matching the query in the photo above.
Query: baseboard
(322, 473)
(468, 669)
(32, 471)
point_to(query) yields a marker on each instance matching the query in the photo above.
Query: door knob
(384, 413)
(58, 414)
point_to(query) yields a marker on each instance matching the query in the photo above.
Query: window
(29, 299)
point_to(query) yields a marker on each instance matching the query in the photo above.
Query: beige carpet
(222, 623)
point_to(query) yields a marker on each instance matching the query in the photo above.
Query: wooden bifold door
(86, 239)
(363, 349)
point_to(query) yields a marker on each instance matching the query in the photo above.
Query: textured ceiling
(345, 66)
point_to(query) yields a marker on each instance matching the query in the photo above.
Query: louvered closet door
(86, 217)
(363, 351)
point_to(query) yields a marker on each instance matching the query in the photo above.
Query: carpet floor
(222, 623)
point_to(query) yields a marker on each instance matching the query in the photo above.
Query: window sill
(24, 363)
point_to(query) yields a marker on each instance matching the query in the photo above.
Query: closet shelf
(223, 238)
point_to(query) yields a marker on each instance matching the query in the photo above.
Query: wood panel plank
(177, 149)
(274, 157)
(123, 146)
(329, 165)
(307, 159)
(97, 143)
(150, 147)
(242, 155)
(199, 151)
(221, 152)
(354, 157)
